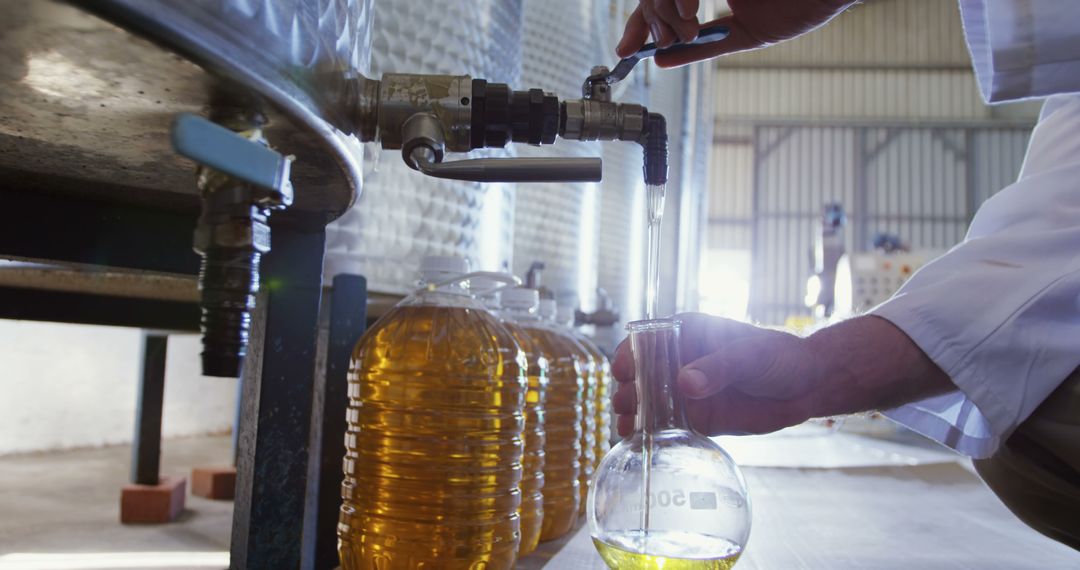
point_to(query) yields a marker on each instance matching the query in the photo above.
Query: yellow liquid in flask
(434, 441)
(684, 551)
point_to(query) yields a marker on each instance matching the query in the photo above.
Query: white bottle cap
(435, 268)
(520, 298)
(565, 314)
(547, 309)
(484, 288)
(482, 283)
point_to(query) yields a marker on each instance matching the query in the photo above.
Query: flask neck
(655, 345)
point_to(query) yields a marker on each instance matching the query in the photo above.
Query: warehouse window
(724, 282)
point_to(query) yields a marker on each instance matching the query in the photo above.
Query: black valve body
(501, 115)
(655, 148)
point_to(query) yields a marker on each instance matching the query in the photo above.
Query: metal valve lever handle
(509, 169)
(422, 150)
(212, 145)
(622, 69)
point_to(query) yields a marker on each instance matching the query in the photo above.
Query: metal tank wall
(403, 215)
(588, 235)
(557, 223)
(563, 41)
(620, 237)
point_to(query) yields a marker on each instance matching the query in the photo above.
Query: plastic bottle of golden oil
(562, 414)
(434, 441)
(565, 317)
(532, 478)
(587, 367)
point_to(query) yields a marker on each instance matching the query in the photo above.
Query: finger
(687, 8)
(738, 39)
(622, 368)
(662, 33)
(625, 425)
(761, 359)
(686, 29)
(634, 34)
(624, 401)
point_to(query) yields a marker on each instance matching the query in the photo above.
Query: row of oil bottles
(475, 421)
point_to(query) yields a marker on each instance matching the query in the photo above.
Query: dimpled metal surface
(402, 214)
(83, 99)
(562, 40)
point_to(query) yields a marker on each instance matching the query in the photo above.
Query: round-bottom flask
(666, 497)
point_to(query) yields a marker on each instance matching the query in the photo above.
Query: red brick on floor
(217, 483)
(159, 503)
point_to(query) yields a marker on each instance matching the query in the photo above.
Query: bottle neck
(656, 362)
(519, 314)
(490, 302)
(435, 281)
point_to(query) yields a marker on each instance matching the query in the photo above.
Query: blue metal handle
(212, 145)
(707, 35)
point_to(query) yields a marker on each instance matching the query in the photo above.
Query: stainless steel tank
(403, 215)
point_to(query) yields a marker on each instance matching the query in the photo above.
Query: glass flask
(434, 447)
(666, 497)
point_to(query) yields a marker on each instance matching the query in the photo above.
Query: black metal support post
(278, 382)
(346, 314)
(146, 448)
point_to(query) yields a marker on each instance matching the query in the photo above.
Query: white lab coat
(1000, 312)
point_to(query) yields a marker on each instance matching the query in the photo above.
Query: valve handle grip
(509, 169)
(706, 35)
(210, 144)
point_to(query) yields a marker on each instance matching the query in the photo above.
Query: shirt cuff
(1022, 49)
(958, 419)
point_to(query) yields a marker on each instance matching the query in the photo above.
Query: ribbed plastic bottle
(587, 370)
(532, 478)
(434, 441)
(602, 401)
(562, 414)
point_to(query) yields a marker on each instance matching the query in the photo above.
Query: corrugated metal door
(920, 183)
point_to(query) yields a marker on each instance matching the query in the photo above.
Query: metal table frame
(294, 392)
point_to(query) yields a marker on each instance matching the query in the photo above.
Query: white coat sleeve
(1000, 312)
(1023, 48)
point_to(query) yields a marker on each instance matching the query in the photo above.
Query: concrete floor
(69, 502)
(838, 501)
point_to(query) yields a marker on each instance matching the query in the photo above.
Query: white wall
(64, 386)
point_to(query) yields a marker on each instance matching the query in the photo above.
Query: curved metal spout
(510, 169)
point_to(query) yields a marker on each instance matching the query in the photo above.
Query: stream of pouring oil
(654, 199)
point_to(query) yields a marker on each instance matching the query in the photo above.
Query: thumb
(757, 359)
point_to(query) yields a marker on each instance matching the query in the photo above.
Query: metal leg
(278, 380)
(347, 316)
(146, 447)
(236, 420)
